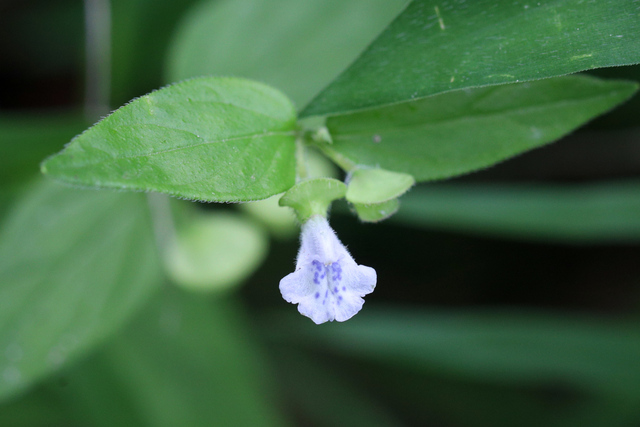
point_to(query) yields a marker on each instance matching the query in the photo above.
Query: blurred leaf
(73, 266)
(141, 30)
(27, 139)
(579, 213)
(280, 220)
(214, 251)
(213, 139)
(459, 132)
(185, 361)
(296, 46)
(39, 408)
(627, 114)
(510, 348)
(325, 396)
(434, 47)
(435, 399)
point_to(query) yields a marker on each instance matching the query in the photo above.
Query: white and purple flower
(327, 284)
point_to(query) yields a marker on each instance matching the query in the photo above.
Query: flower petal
(327, 284)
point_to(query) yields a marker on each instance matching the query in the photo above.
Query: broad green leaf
(588, 213)
(185, 361)
(459, 132)
(593, 354)
(214, 251)
(212, 139)
(370, 186)
(434, 47)
(296, 46)
(26, 139)
(378, 211)
(73, 266)
(313, 196)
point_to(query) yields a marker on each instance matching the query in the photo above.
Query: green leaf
(510, 348)
(287, 43)
(434, 47)
(378, 211)
(185, 361)
(313, 196)
(212, 139)
(371, 186)
(587, 213)
(459, 132)
(38, 408)
(214, 251)
(73, 266)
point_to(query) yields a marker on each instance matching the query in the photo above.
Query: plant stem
(301, 165)
(97, 18)
(162, 219)
(345, 163)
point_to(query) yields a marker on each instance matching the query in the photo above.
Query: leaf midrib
(221, 141)
(493, 114)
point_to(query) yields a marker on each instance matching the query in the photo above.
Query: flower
(327, 284)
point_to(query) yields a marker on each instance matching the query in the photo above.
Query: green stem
(344, 162)
(162, 219)
(321, 139)
(301, 165)
(97, 19)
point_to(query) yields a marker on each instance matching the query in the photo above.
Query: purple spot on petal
(344, 288)
(340, 298)
(317, 295)
(335, 289)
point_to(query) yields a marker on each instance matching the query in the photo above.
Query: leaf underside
(458, 132)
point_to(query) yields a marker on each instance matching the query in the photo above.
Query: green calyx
(378, 211)
(373, 186)
(374, 192)
(313, 196)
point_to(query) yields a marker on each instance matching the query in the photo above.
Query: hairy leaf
(212, 139)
